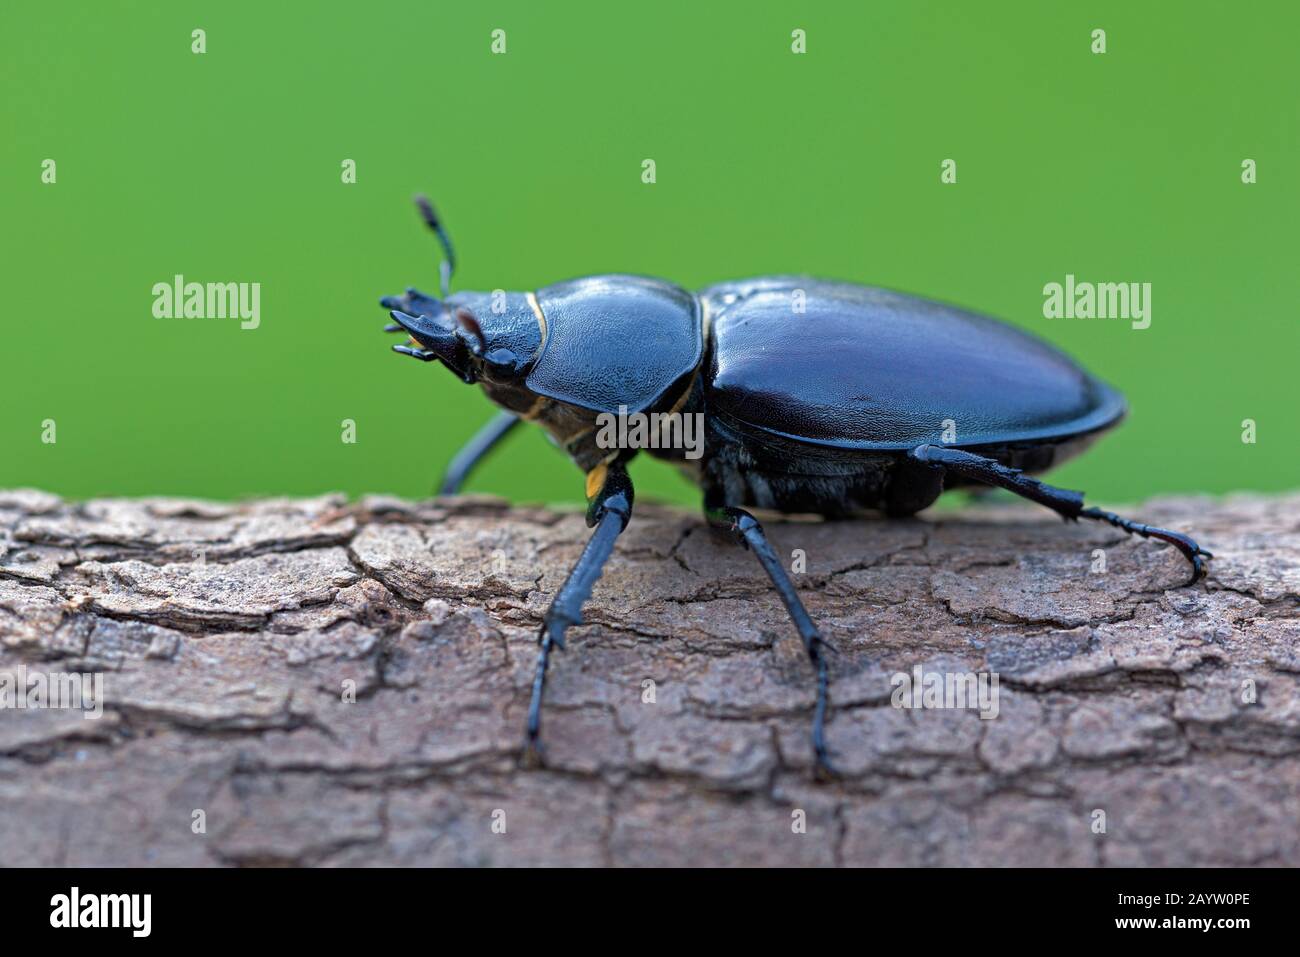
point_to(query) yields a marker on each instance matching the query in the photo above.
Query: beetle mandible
(835, 410)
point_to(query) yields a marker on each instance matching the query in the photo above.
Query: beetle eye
(503, 362)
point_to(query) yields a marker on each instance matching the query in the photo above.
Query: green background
(226, 167)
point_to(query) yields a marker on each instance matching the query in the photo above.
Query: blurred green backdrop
(225, 166)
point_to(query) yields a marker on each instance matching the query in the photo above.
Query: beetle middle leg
(750, 535)
(1066, 503)
(609, 495)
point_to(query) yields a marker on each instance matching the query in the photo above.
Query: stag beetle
(847, 403)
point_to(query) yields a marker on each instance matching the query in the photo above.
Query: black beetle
(816, 397)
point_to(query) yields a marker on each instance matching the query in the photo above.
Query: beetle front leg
(610, 507)
(422, 354)
(1065, 502)
(749, 533)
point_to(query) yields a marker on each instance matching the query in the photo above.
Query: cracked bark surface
(228, 633)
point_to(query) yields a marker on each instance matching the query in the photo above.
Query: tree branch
(230, 636)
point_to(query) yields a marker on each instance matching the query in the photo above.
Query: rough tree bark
(228, 635)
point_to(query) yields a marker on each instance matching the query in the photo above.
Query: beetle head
(491, 338)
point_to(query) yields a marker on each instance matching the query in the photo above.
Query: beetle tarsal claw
(533, 755)
(1184, 543)
(824, 771)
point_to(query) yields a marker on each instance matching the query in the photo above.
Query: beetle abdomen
(855, 367)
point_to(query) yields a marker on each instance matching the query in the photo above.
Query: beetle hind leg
(1185, 544)
(1066, 503)
(750, 535)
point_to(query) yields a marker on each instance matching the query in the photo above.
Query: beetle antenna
(448, 265)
